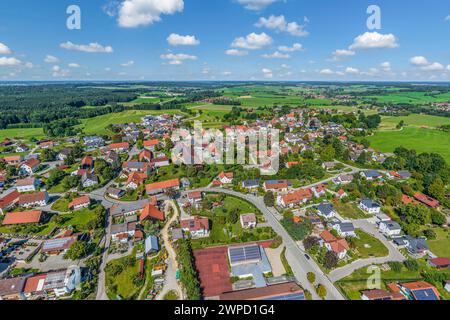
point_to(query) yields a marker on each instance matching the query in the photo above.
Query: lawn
(23, 133)
(441, 245)
(368, 246)
(412, 97)
(349, 210)
(414, 120)
(422, 140)
(120, 276)
(61, 205)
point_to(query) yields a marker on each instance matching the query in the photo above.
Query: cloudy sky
(225, 40)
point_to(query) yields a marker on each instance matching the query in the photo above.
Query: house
(13, 218)
(80, 203)
(112, 158)
(426, 200)
(376, 295)
(145, 155)
(277, 185)
(134, 166)
(439, 263)
(338, 246)
(94, 142)
(22, 148)
(370, 206)
(160, 162)
(46, 144)
(319, 190)
(344, 229)
(122, 232)
(294, 198)
(419, 290)
(37, 199)
(326, 210)
(88, 180)
(194, 197)
(125, 210)
(27, 185)
(344, 179)
(30, 166)
(390, 228)
(135, 179)
(226, 177)
(371, 174)
(281, 291)
(9, 201)
(12, 288)
(58, 246)
(56, 283)
(151, 212)
(160, 187)
(197, 226)
(64, 154)
(416, 247)
(115, 193)
(151, 245)
(250, 184)
(13, 160)
(87, 163)
(248, 221)
(341, 194)
(291, 164)
(328, 165)
(151, 144)
(120, 147)
(409, 200)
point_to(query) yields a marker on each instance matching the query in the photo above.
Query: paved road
(106, 241)
(394, 253)
(296, 257)
(171, 283)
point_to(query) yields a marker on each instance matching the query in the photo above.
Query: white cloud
(279, 23)
(295, 47)
(285, 66)
(51, 59)
(74, 65)
(447, 18)
(256, 5)
(374, 40)
(177, 59)
(386, 66)
(351, 70)
(128, 63)
(341, 53)
(448, 67)
(59, 73)
(178, 40)
(135, 13)
(226, 73)
(4, 49)
(7, 62)
(253, 41)
(29, 65)
(326, 72)
(235, 52)
(276, 55)
(419, 61)
(93, 47)
(435, 66)
(267, 73)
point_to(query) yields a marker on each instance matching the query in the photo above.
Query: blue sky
(225, 40)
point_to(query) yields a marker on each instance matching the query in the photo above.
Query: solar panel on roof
(288, 297)
(243, 254)
(425, 294)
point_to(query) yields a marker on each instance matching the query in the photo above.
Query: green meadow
(22, 133)
(415, 120)
(412, 97)
(422, 140)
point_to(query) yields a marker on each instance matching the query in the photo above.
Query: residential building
(370, 206)
(426, 200)
(248, 221)
(80, 203)
(37, 199)
(13, 218)
(390, 228)
(326, 210)
(30, 166)
(27, 185)
(198, 227)
(344, 229)
(160, 187)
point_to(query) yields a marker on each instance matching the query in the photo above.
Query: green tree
(321, 291)
(311, 277)
(269, 199)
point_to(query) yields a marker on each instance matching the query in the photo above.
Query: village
(112, 217)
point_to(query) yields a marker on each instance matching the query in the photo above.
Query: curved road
(300, 265)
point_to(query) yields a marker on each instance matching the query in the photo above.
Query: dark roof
(325, 208)
(12, 286)
(283, 291)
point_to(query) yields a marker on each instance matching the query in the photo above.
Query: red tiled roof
(88, 161)
(163, 185)
(200, 223)
(79, 201)
(420, 285)
(119, 145)
(426, 200)
(31, 284)
(228, 175)
(268, 292)
(22, 217)
(327, 236)
(408, 200)
(137, 178)
(152, 212)
(31, 163)
(339, 246)
(25, 182)
(31, 198)
(151, 143)
(195, 195)
(9, 199)
(440, 262)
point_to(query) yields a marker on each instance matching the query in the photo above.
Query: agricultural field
(414, 120)
(23, 133)
(422, 140)
(411, 97)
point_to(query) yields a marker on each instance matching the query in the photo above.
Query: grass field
(422, 140)
(368, 246)
(412, 97)
(98, 124)
(349, 210)
(122, 283)
(25, 133)
(414, 120)
(441, 245)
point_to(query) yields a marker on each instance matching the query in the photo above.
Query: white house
(344, 229)
(248, 221)
(89, 180)
(370, 206)
(326, 210)
(39, 199)
(30, 166)
(198, 227)
(27, 185)
(390, 228)
(226, 177)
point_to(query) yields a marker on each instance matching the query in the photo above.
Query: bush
(395, 266)
(311, 277)
(438, 218)
(430, 234)
(411, 265)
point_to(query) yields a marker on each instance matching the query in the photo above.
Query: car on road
(307, 257)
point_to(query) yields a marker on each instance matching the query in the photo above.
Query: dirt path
(171, 282)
